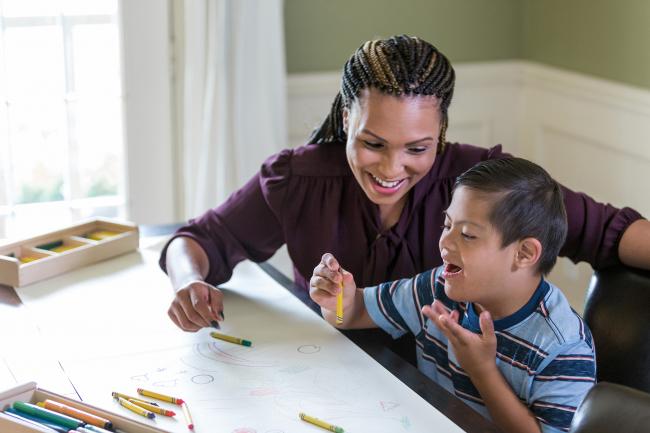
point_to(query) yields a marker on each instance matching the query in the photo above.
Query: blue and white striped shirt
(544, 351)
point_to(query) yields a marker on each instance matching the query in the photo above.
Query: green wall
(321, 34)
(603, 38)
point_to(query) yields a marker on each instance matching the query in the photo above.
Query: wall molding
(589, 133)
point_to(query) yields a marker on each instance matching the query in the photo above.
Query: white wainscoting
(590, 134)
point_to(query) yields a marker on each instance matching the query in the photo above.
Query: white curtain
(230, 95)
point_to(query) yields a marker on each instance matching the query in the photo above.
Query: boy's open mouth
(452, 270)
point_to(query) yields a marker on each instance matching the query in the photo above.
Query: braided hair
(400, 65)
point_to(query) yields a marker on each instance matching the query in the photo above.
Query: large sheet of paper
(108, 324)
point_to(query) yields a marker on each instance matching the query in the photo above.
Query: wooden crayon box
(31, 393)
(29, 260)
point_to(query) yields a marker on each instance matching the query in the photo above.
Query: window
(61, 131)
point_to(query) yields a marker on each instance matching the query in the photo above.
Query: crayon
(128, 397)
(152, 408)
(188, 416)
(64, 248)
(48, 246)
(46, 414)
(327, 426)
(161, 397)
(42, 425)
(136, 409)
(28, 259)
(88, 418)
(100, 235)
(339, 305)
(95, 429)
(230, 339)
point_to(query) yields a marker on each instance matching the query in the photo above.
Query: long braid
(401, 65)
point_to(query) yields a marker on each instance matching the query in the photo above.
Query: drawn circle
(202, 379)
(309, 349)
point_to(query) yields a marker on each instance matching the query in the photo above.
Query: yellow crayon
(128, 397)
(230, 339)
(135, 408)
(159, 396)
(151, 407)
(100, 235)
(327, 426)
(339, 305)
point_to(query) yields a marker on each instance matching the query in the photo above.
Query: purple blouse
(308, 198)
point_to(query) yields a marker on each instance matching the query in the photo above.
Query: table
(12, 310)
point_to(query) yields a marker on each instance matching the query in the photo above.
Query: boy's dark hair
(400, 65)
(530, 204)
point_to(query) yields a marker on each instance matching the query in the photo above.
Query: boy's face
(476, 266)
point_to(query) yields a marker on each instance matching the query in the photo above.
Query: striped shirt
(544, 350)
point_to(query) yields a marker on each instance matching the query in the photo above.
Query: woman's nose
(392, 166)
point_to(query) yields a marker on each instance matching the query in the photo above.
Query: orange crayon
(84, 416)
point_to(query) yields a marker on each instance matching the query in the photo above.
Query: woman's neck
(389, 214)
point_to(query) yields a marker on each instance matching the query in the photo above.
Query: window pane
(86, 7)
(96, 60)
(38, 148)
(34, 62)
(99, 152)
(29, 8)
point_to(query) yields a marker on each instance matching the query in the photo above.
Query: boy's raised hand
(476, 353)
(325, 284)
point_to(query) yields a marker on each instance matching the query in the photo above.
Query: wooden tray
(31, 393)
(29, 260)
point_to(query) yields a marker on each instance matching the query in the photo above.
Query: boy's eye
(445, 227)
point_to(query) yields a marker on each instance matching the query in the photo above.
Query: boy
(487, 325)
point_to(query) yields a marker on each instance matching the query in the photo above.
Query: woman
(371, 189)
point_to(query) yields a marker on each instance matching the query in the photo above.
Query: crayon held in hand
(230, 339)
(339, 304)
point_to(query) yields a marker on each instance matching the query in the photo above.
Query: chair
(610, 408)
(617, 310)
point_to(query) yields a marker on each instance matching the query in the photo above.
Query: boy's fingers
(438, 308)
(487, 325)
(329, 260)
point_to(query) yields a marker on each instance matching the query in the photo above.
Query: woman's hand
(196, 305)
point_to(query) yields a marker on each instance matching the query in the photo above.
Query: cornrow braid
(400, 65)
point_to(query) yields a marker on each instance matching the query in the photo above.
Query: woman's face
(392, 143)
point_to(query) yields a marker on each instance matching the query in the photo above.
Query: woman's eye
(468, 236)
(372, 145)
(417, 150)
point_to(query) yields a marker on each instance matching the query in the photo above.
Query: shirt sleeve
(246, 226)
(595, 229)
(561, 385)
(396, 307)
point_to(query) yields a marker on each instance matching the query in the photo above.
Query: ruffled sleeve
(246, 226)
(595, 229)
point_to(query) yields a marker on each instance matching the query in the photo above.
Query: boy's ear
(528, 253)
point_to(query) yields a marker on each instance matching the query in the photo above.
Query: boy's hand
(475, 353)
(325, 284)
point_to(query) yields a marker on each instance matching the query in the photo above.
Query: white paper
(110, 323)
